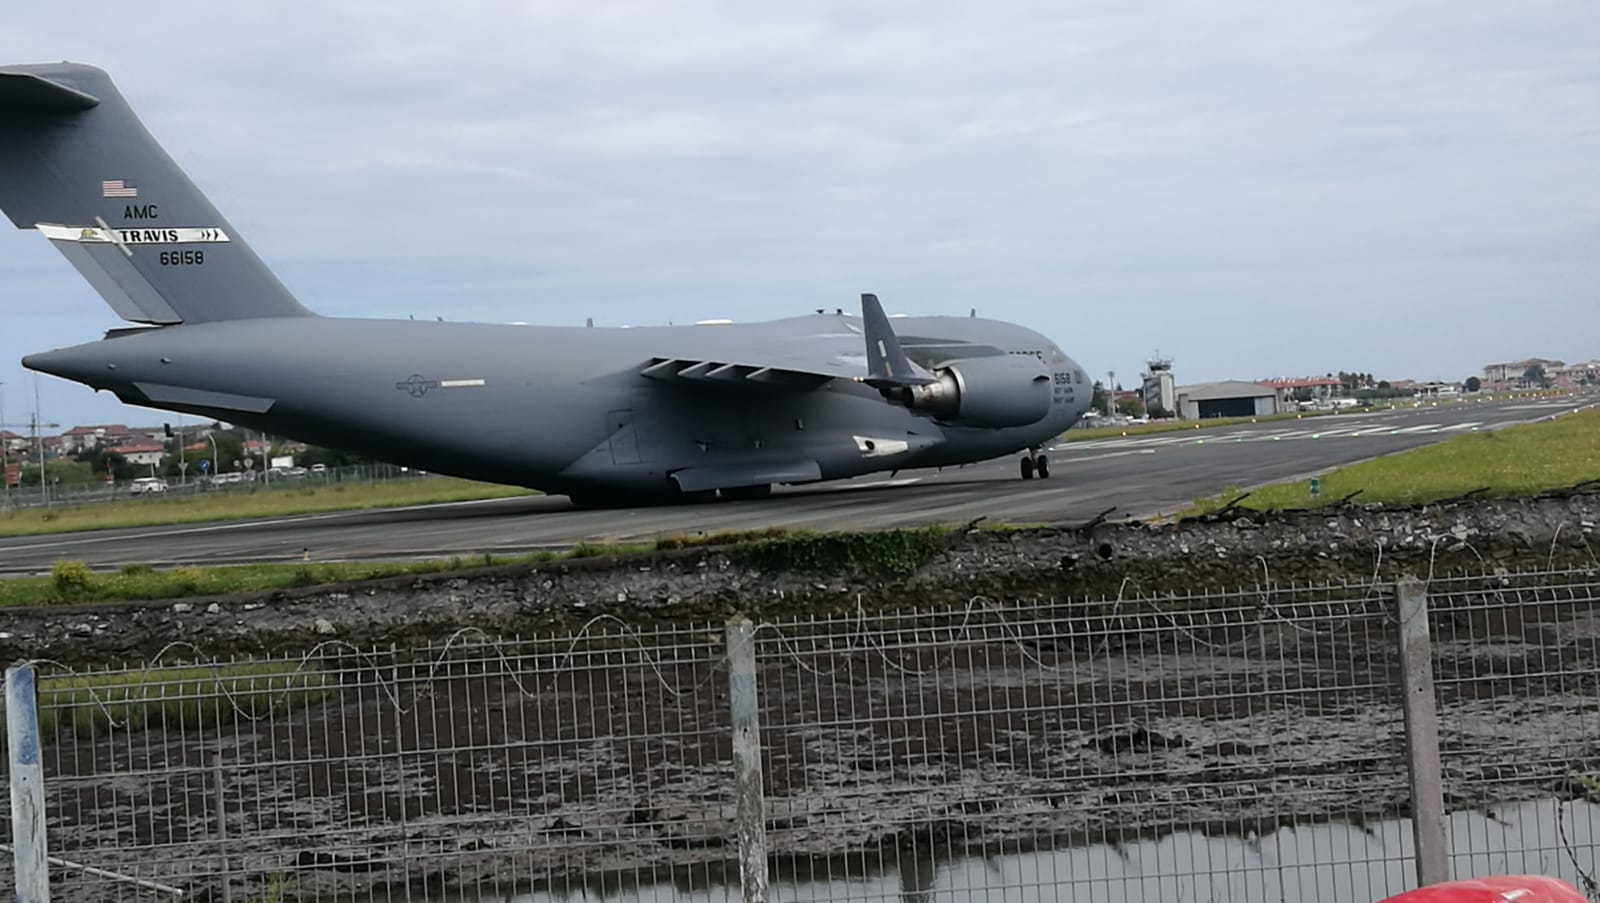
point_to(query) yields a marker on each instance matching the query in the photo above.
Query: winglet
(887, 364)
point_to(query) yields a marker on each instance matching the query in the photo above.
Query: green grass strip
(772, 548)
(240, 504)
(1171, 426)
(74, 582)
(190, 698)
(1515, 461)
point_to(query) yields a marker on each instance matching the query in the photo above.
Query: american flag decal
(117, 188)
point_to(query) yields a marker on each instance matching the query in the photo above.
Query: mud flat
(485, 768)
(1003, 713)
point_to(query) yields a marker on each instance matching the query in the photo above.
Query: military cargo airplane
(605, 416)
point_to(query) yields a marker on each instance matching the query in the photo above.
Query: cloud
(1218, 179)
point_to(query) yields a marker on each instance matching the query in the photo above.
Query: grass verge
(74, 582)
(773, 548)
(1173, 426)
(175, 697)
(1518, 460)
(1169, 426)
(248, 503)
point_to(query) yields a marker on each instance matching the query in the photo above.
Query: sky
(1254, 189)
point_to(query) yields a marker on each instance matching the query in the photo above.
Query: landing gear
(747, 493)
(1035, 465)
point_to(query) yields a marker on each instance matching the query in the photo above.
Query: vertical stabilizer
(887, 364)
(77, 165)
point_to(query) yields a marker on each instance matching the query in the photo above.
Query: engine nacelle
(1000, 391)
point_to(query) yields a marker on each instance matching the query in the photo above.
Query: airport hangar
(1226, 398)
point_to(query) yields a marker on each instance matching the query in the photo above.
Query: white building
(1226, 398)
(1159, 391)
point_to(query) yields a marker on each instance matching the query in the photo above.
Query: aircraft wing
(866, 350)
(791, 370)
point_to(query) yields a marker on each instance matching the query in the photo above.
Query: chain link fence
(1222, 747)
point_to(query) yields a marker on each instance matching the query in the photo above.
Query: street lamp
(5, 471)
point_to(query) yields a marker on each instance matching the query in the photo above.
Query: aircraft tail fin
(887, 364)
(78, 165)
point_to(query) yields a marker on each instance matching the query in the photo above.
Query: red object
(1502, 889)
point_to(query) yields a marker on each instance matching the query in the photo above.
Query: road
(1139, 476)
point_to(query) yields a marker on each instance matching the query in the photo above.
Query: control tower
(1159, 390)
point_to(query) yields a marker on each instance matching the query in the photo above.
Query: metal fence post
(27, 787)
(222, 827)
(751, 817)
(1422, 734)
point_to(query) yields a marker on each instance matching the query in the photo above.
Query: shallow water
(1325, 863)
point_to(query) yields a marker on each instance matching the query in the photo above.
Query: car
(147, 485)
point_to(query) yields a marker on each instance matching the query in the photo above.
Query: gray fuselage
(568, 410)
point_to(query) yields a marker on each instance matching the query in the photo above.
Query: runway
(1140, 476)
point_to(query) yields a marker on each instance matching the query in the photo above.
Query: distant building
(1226, 398)
(142, 452)
(88, 438)
(1435, 389)
(1291, 389)
(1512, 372)
(1571, 376)
(1159, 391)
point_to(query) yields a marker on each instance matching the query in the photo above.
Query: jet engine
(1001, 391)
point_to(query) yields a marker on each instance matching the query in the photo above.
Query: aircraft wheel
(1027, 468)
(747, 493)
(1041, 466)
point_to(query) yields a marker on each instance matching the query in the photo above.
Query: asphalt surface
(1138, 476)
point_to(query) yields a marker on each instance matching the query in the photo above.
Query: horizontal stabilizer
(33, 92)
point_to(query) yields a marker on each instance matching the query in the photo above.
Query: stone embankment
(707, 584)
